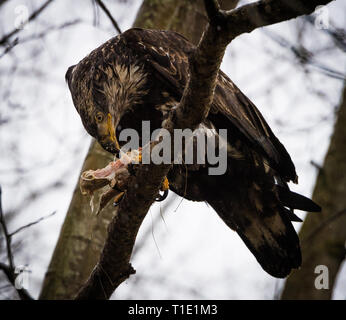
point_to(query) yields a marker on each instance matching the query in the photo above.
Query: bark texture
(323, 235)
(81, 239)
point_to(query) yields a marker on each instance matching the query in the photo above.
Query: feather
(296, 201)
(229, 102)
(141, 75)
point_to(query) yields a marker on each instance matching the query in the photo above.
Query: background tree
(323, 236)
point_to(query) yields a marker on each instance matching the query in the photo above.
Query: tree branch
(305, 57)
(4, 40)
(31, 224)
(114, 264)
(324, 224)
(9, 270)
(7, 236)
(37, 36)
(2, 2)
(23, 294)
(109, 15)
(263, 13)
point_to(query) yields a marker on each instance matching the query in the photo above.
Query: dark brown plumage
(140, 75)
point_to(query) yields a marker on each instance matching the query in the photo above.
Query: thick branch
(323, 235)
(263, 13)
(114, 265)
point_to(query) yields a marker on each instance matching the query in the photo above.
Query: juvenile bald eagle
(140, 75)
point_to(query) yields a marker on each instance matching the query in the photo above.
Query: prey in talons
(113, 180)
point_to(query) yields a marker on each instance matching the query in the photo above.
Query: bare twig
(7, 235)
(50, 29)
(39, 35)
(31, 224)
(324, 224)
(9, 270)
(5, 39)
(338, 35)
(114, 264)
(316, 165)
(262, 13)
(109, 15)
(23, 294)
(305, 57)
(9, 47)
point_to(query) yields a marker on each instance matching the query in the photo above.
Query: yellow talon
(137, 158)
(118, 197)
(165, 184)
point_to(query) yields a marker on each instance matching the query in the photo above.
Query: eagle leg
(137, 158)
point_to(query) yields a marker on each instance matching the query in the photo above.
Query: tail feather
(296, 201)
(293, 217)
(266, 230)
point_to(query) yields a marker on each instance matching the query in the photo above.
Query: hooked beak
(111, 130)
(111, 143)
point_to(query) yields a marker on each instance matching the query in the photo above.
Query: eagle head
(102, 94)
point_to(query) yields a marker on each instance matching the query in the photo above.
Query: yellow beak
(111, 131)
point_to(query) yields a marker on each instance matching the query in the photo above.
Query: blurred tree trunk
(83, 234)
(323, 235)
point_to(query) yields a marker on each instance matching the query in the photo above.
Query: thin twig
(9, 270)
(109, 15)
(32, 223)
(39, 35)
(7, 235)
(304, 56)
(338, 35)
(34, 15)
(316, 165)
(50, 29)
(23, 294)
(323, 225)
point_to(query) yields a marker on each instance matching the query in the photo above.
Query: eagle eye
(99, 117)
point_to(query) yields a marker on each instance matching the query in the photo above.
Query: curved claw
(162, 197)
(165, 184)
(118, 198)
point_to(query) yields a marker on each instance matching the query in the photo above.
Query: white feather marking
(125, 85)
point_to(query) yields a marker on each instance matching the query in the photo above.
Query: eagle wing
(244, 116)
(167, 53)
